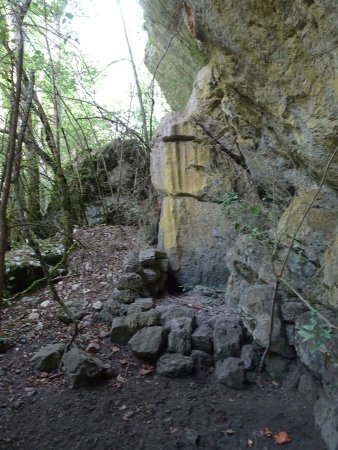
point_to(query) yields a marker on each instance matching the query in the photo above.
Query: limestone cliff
(240, 162)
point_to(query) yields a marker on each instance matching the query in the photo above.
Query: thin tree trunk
(19, 15)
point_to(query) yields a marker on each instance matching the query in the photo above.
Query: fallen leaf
(43, 375)
(115, 350)
(122, 408)
(93, 347)
(147, 369)
(267, 432)
(230, 431)
(123, 361)
(121, 379)
(250, 443)
(281, 437)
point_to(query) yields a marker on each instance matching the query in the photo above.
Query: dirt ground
(137, 409)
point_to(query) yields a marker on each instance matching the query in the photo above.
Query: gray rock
(149, 256)
(174, 365)
(81, 369)
(125, 296)
(255, 306)
(291, 310)
(249, 356)
(130, 280)
(291, 379)
(290, 331)
(48, 358)
(163, 265)
(77, 309)
(150, 275)
(179, 339)
(149, 318)
(168, 313)
(230, 372)
(131, 262)
(141, 305)
(202, 339)
(326, 417)
(277, 366)
(191, 437)
(111, 309)
(148, 342)
(228, 337)
(308, 387)
(121, 330)
(201, 359)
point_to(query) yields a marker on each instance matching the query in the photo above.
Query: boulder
(202, 339)
(230, 372)
(81, 369)
(48, 358)
(141, 305)
(150, 275)
(122, 330)
(228, 338)
(255, 306)
(148, 342)
(149, 256)
(179, 339)
(174, 365)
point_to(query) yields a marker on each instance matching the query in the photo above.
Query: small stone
(168, 313)
(45, 304)
(191, 436)
(174, 365)
(34, 316)
(97, 305)
(202, 360)
(121, 330)
(230, 372)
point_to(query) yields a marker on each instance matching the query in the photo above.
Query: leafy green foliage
(316, 332)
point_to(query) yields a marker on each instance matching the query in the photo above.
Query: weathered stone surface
(202, 339)
(130, 280)
(179, 338)
(111, 309)
(231, 373)
(149, 256)
(249, 356)
(319, 226)
(174, 365)
(121, 330)
(308, 387)
(255, 305)
(48, 358)
(321, 364)
(291, 310)
(228, 337)
(167, 313)
(125, 296)
(202, 360)
(81, 369)
(326, 417)
(131, 262)
(150, 275)
(330, 275)
(148, 342)
(141, 305)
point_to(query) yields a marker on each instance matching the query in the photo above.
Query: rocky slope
(240, 163)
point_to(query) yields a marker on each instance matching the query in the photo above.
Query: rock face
(240, 163)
